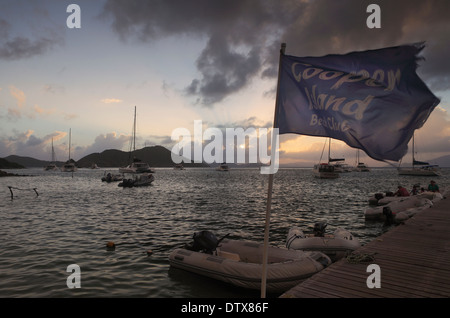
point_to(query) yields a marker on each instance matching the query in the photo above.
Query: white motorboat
(336, 246)
(139, 180)
(111, 177)
(240, 262)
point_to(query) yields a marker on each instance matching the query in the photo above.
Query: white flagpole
(269, 191)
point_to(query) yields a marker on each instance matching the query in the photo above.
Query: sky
(178, 61)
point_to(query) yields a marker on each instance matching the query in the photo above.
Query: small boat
(223, 167)
(432, 196)
(413, 204)
(110, 177)
(140, 180)
(336, 246)
(240, 262)
(381, 198)
(428, 198)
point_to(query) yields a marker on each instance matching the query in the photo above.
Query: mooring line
(12, 194)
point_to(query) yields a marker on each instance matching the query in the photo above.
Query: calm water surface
(74, 217)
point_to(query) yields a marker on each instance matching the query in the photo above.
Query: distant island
(155, 156)
(5, 164)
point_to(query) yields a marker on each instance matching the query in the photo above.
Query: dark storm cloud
(224, 71)
(18, 47)
(21, 47)
(243, 36)
(329, 27)
(238, 33)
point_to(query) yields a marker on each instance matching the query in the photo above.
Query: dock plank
(414, 260)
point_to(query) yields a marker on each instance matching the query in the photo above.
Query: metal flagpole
(270, 186)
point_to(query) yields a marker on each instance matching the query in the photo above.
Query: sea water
(72, 216)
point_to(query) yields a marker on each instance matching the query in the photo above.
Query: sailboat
(69, 166)
(360, 166)
(52, 165)
(136, 166)
(326, 170)
(419, 168)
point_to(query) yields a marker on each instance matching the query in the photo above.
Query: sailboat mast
(53, 152)
(413, 159)
(70, 136)
(329, 149)
(134, 130)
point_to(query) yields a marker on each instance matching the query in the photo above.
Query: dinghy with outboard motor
(413, 204)
(336, 246)
(240, 262)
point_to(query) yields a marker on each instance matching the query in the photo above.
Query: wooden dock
(413, 260)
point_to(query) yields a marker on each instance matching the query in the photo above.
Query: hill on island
(155, 156)
(7, 164)
(28, 162)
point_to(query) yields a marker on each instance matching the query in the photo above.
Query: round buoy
(110, 245)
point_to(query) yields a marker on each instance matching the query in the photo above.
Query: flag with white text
(372, 100)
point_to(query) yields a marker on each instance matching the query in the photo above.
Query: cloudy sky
(183, 60)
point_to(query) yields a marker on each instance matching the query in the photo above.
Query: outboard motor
(319, 229)
(387, 212)
(204, 241)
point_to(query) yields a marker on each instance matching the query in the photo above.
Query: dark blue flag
(372, 100)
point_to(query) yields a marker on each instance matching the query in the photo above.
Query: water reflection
(74, 217)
